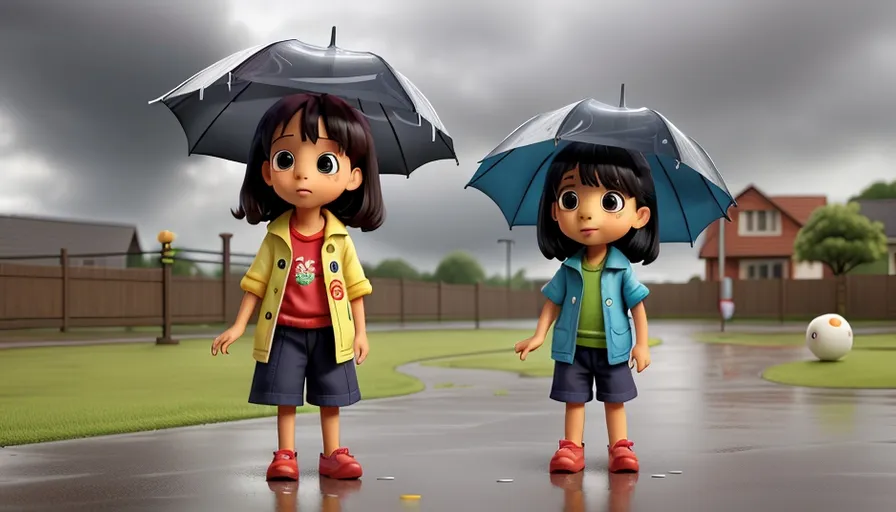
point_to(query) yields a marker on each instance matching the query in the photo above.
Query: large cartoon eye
(283, 160)
(327, 164)
(814, 335)
(612, 202)
(569, 200)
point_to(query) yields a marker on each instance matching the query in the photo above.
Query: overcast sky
(796, 97)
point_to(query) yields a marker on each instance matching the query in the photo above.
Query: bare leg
(329, 429)
(286, 427)
(617, 427)
(575, 423)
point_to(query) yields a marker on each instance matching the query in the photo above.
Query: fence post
(225, 274)
(63, 261)
(401, 299)
(166, 258)
(783, 299)
(439, 300)
(476, 314)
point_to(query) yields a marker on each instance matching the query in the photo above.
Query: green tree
(181, 267)
(459, 268)
(695, 278)
(395, 268)
(842, 238)
(517, 282)
(878, 190)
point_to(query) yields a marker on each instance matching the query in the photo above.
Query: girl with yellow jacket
(312, 172)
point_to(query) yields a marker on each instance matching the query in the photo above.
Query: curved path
(742, 444)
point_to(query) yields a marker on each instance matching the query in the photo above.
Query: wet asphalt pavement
(741, 444)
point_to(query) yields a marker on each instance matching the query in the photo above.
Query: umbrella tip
(622, 97)
(333, 37)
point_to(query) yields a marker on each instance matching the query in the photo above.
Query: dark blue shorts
(591, 376)
(298, 355)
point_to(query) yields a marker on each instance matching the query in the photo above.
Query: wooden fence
(64, 296)
(33, 296)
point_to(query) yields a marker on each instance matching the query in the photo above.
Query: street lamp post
(509, 243)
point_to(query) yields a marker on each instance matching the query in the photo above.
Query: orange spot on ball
(834, 321)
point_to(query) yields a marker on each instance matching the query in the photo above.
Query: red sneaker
(284, 466)
(340, 465)
(623, 458)
(569, 458)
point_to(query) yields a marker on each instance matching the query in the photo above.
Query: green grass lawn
(537, 364)
(100, 333)
(862, 341)
(860, 369)
(52, 393)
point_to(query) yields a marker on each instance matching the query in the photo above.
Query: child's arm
(639, 317)
(247, 307)
(549, 314)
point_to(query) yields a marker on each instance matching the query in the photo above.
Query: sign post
(726, 295)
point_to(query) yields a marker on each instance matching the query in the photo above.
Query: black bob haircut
(361, 208)
(616, 169)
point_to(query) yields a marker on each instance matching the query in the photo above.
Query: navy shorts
(298, 355)
(591, 376)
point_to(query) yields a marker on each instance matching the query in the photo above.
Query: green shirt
(591, 331)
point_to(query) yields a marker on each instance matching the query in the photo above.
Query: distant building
(759, 239)
(42, 236)
(883, 211)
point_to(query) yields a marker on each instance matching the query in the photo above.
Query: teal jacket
(620, 291)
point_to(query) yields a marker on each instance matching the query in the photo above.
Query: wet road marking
(505, 480)
(657, 476)
(385, 478)
(410, 496)
(675, 472)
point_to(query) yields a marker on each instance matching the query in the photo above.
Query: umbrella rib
(397, 141)
(526, 192)
(207, 128)
(724, 213)
(498, 161)
(395, 76)
(442, 136)
(677, 199)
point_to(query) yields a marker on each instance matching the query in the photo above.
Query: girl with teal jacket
(598, 216)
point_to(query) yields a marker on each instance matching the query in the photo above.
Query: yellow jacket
(267, 276)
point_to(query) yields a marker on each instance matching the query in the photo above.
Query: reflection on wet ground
(739, 443)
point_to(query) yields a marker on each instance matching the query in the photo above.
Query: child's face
(595, 215)
(305, 174)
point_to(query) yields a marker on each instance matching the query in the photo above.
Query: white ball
(829, 337)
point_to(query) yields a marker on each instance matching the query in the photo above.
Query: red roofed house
(759, 239)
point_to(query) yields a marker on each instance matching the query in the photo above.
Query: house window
(763, 269)
(759, 223)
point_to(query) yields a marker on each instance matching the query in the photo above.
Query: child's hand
(223, 341)
(362, 347)
(641, 357)
(527, 345)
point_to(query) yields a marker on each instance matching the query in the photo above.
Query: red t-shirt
(305, 297)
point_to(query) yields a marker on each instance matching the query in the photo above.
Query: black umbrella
(220, 107)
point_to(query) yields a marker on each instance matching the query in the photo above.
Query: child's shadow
(286, 494)
(619, 499)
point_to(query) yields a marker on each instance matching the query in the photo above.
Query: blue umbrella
(691, 193)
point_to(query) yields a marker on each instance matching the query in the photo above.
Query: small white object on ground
(385, 478)
(674, 472)
(505, 480)
(658, 476)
